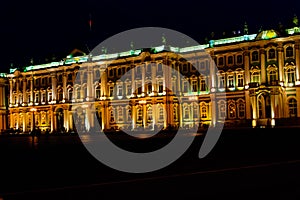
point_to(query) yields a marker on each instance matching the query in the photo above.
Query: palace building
(256, 83)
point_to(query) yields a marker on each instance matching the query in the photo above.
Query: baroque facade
(256, 82)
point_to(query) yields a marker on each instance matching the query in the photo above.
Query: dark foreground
(245, 164)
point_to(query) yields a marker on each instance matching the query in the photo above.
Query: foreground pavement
(245, 164)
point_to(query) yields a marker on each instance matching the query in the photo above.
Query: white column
(263, 66)
(24, 121)
(246, 65)
(297, 46)
(54, 87)
(24, 91)
(89, 85)
(133, 81)
(143, 79)
(10, 91)
(17, 89)
(64, 79)
(31, 90)
(254, 110)
(248, 104)
(280, 61)
(104, 83)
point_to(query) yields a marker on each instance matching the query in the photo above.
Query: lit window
(255, 77)
(293, 107)
(290, 75)
(221, 81)
(120, 114)
(241, 110)
(185, 86)
(149, 88)
(120, 90)
(111, 91)
(240, 80)
(160, 87)
(230, 81)
(128, 88)
(36, 97)
(194, 85)
(161, 114)
(175, 113)
(98, 92)
(231, 110)
(203, 111)
(202, 84)
(222, 110)
(70, 94)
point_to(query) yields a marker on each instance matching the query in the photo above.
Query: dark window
(239, 59)
(271, 54)
(221, 61)
(255, 56)
(230, 60)
(70, 77)
(289, 52)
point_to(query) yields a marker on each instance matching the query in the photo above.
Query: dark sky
(41, 29)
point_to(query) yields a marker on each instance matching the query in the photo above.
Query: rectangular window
(120, 90)
(139, 88)
(230, 81)
(195, 85)
(185, 86)
(36, 98)
(221, 81)
(202, 84)
(240, 80)
(160, 87)
(128, 86)
(111, 90)
(44, 97)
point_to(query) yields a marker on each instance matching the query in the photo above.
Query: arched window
(292, 107)
(98, 92)
(289, 52)
(78, 93)
(161, 114)
(241, 109)
(272, 75)
(59, 94)
(290, 74)
(149, 114)
(230, 79)
(240, 80)
(222, 109)
(271, 54)
(203, 111)
(255, 77)
(70, 94)
(231, 110)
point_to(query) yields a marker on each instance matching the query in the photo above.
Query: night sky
(45, 29)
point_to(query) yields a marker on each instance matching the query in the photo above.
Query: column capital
(262, 51)
(246, 53)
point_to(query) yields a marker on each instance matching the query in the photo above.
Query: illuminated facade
(257, 83)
